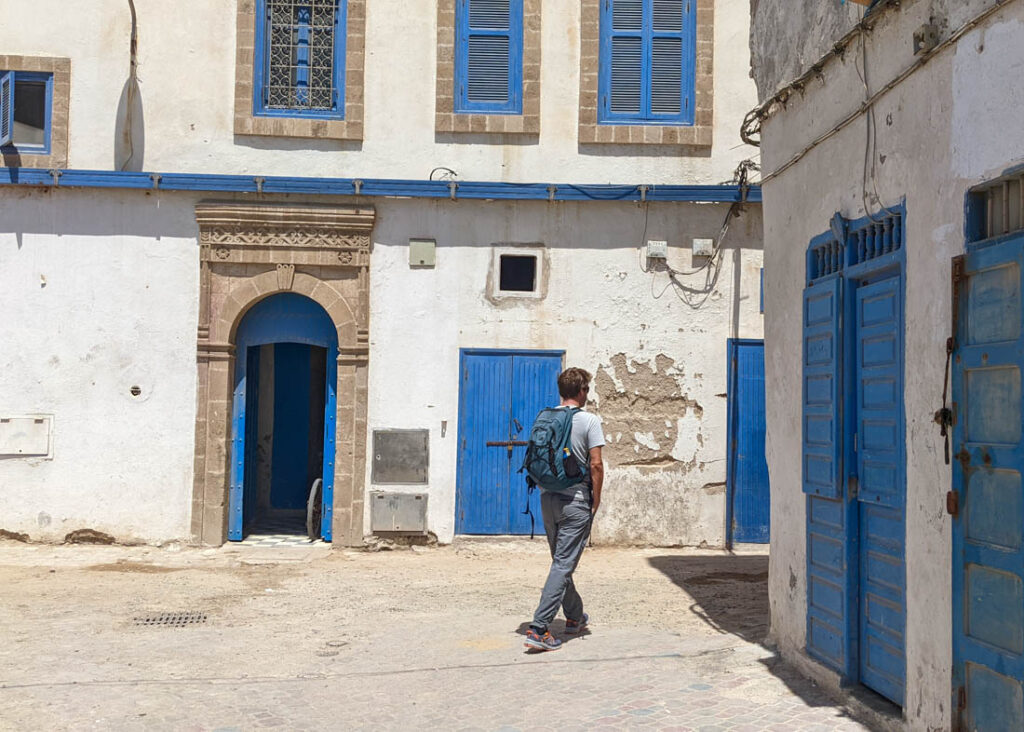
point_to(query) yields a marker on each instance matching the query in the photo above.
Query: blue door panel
(534, 386)
(252, 411)
(500, 395)
(748, 488)
(483, 502)
(988, 532)
(822, 404)
(289, 486)
(880, 472)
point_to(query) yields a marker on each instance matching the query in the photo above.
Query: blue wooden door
(831, 614)
(881, 486)
(500, 394)
(749, 499)
(988, 529)
(282, 318)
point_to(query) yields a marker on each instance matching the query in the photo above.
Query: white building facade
(891, 154)
(251, 246)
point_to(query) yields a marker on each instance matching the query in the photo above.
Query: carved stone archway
(249, 252)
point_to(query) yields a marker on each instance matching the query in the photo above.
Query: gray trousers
(567, 523)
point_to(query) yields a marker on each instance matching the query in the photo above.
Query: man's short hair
(571, 382)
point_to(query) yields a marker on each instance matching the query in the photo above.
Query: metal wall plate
(401, 456)
(398, 513)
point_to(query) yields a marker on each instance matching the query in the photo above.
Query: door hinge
(961, 698)
(855, 442)
(953, 503)
(957, 276)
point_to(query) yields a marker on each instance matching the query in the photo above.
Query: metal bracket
(452, 188)
(357, 185)
(155, 177)
(643, 193)
(551, 193)
(56, 174)
(259, 184)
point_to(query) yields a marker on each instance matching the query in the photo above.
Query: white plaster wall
(601, 308)
(186, 77)
(942, 131)
(98, 293)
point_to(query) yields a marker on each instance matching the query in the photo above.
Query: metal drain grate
(172, 620)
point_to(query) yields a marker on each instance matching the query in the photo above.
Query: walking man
(568, 507)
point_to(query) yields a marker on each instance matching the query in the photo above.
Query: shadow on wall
(130, 129)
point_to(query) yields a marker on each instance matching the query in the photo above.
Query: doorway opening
(283, 435)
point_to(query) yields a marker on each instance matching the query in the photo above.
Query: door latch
(953, 503)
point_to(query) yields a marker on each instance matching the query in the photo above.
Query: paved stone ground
(431, 639)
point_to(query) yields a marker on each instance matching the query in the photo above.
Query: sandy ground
(78, 649)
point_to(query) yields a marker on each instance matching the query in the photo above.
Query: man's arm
(596, 476)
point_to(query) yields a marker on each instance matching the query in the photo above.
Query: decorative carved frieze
(284, 233)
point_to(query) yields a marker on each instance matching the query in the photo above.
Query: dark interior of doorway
(289, 426)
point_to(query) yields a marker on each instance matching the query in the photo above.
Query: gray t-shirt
(586, 433)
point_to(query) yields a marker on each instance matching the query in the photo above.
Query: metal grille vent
(997, 208)
(172, 620)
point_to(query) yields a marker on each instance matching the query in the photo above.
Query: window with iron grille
(300, 58)
(489, 56)
(647, 61)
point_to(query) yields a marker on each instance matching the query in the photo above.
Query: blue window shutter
(822, 389)
(6, 107)
(648, 59)
(488, 50)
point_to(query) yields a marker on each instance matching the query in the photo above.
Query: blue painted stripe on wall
(376, 186)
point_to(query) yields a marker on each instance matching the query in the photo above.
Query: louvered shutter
(647, 60)
(6, 107)
(489, 55)
(822, 391)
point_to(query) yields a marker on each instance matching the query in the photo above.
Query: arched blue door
(285, 318)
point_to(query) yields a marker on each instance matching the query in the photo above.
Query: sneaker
(574, 627)
(542, 641)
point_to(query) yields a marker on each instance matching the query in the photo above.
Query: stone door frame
(249, 251)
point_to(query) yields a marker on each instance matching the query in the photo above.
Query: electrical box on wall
(703, 247)
(398, 513)
(422, 252)
(657, 249)
(26, 436)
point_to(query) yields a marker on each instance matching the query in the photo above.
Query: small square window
(518, 273)
(26, 110)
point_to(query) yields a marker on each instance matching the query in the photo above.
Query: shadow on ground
(730, 593)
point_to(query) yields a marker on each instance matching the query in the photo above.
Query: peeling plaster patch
(640, 399)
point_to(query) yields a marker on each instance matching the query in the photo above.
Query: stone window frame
(446, 119)
(349, 128)
(60, 110)
(699, 134)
